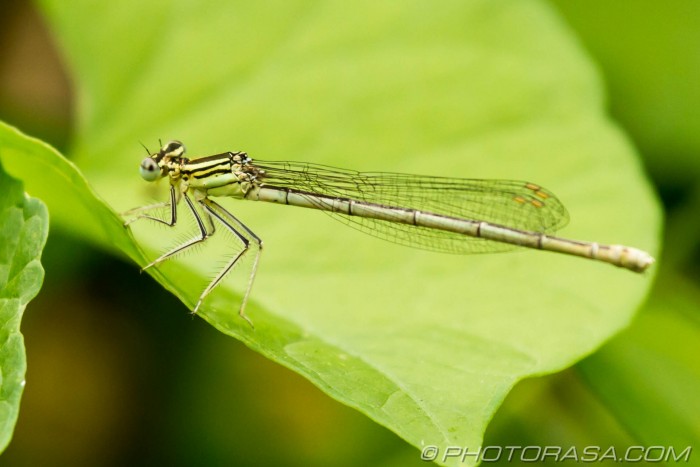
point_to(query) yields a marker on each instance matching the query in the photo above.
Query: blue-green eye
(149, 170)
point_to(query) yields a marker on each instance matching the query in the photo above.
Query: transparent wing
(516, 204)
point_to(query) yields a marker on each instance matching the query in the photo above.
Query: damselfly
(451, 215)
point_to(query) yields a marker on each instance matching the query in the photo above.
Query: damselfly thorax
(229, 174)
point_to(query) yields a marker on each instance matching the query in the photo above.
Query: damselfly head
(155, 165)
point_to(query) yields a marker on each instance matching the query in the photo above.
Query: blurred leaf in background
(649, 376)
(648, 53)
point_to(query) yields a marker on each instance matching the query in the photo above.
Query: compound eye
(149, 170)
(173, 149)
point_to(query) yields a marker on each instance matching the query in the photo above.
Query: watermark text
(556, 453)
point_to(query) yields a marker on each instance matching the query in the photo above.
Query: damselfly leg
(226, 219)
(211, 210)
(151, 207)
(203, 235)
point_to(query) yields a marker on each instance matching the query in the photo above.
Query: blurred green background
(150, 385)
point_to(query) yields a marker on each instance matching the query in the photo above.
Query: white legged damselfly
(451, 215)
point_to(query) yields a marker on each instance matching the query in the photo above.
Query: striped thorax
(228, 174)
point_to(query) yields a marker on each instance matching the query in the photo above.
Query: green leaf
(58, 182)
(426, 344)
(649, 375)
(23, 230)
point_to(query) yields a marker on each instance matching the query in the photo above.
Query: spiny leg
(226, 218)
(173, 211)
(214, 205)
(211, 226)
(202, 230)
(258, 241)
(133, 211)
